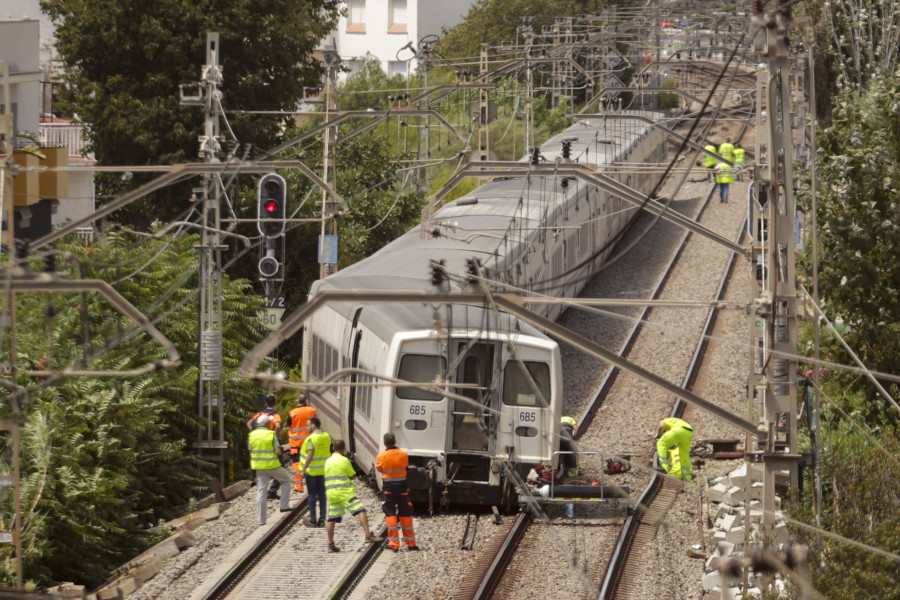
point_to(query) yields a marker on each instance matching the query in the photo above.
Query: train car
(496, 405)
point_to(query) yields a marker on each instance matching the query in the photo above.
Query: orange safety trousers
(298, 474)
(397, 507)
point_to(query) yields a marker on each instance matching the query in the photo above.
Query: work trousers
(263, 476)
(315, 489)
(681, 438)
(398, 507)
(298, 473)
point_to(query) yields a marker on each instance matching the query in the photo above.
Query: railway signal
(271, 205)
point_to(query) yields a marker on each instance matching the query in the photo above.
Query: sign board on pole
(7, 537)
(271, 317)
(613, 82)
(328, 249)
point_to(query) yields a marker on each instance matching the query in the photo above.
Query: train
(493, 411)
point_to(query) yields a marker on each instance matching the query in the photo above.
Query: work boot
(321, 523)
(308, 523)
(372, 539)
(333, 548)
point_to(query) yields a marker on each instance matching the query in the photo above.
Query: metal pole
(211, 443)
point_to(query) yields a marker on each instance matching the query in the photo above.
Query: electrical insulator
(437, 272)
(473, 269)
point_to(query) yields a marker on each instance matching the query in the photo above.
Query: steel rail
(620, 564)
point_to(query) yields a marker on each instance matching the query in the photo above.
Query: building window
(397, 16)
(356, 16)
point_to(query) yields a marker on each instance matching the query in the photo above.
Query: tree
(859, 223)
(495, 21)
(103, 459)
(123, 62)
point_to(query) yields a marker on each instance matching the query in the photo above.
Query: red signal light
(271, 206)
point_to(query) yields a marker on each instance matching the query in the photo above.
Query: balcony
(64, 135)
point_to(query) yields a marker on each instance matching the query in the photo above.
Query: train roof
(492, 222)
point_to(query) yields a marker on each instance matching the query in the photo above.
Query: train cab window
(420, 368)
(517, 387)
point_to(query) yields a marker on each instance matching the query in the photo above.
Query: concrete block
(70, 590)
(110, 593)
(739, 477)
(127, 585)
(726, 522)
(165, 549)
(731, 593)
(184, 539)
(717, 492)
(187, 523)
(723, 509)
(735, 536)
(753, 591)
(735, 496)
(718, 536)
(710, 580)
(237, 490)
(212, 513)
(147, 570)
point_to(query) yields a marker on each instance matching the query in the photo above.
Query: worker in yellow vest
(318, 450)
(724, 179)
(739, 163)
(264, 459)
(709, 161)
(339, 476)
(726, 150)
(675, 432)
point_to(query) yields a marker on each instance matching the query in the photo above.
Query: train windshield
(420, 368)
(526, 383)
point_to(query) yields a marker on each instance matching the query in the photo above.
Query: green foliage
(104, 459)
(862, 503)
(667, 100)
(859, 223)
(123, 62)
(495, 21)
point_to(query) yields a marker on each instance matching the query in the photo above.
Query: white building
(390, 30)
(27, 45)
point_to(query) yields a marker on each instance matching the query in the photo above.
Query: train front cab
(503, 421)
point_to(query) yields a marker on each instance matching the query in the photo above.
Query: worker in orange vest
(298, 431)
(393, 464)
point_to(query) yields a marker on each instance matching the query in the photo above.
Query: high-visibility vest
(723, 174)
(321, 443)
(299, 426)
(392, 463)
(262, 449)
(673, 422)
(726, 149)
(709, 161)
(276, 418)
(338, 485)
(739, 156)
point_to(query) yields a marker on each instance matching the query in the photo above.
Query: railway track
(659, 495)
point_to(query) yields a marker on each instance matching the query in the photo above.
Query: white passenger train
(537, 233)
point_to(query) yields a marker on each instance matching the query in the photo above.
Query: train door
(474, 422)
(350, 353)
